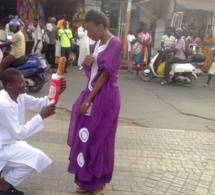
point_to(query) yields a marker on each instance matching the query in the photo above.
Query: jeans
(50, 55)
(28, 47)
(168, 67)
(65, 51)
(5, 63)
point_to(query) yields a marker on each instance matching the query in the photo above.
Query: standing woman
(141, 49)
(207, 42)
(95, 113)
(194, 39)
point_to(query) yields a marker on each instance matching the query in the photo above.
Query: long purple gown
(92, 136)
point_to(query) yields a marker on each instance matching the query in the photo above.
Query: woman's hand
(89, 59)
(84, 107)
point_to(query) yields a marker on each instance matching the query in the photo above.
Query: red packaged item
(54, 90)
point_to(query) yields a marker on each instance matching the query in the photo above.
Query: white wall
(160, 31)
(167, 9)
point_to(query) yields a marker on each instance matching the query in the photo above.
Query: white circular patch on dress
(84, 134)
(80, 160)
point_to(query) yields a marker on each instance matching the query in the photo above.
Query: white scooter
(182, 72)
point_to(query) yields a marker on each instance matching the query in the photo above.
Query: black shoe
(11, 191)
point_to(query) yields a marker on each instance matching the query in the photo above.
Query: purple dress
(92, 135)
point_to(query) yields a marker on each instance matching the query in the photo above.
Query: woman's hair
(96, 17)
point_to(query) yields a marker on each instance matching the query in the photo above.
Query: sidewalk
(148, 161)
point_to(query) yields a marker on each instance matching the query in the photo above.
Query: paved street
(165, 141)
(148, 161)
(150, 105)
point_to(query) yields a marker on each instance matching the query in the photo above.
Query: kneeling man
(17, 158)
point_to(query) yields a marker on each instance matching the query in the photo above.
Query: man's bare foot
(4, 186)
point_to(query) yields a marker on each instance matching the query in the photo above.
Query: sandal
(98, 191)
(80, 189)
(164, 82)
(11, 191)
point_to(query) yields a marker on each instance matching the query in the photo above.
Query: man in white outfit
(130, 40)
(17, 158)
(84, 46)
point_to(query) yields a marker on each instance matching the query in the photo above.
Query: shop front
(192, 14)
(24, 9)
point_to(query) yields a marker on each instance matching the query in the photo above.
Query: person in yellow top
(65, 37)
(17, 43)
(207, 42)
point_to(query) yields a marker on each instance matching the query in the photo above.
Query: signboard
(93, 2)
(93, 5)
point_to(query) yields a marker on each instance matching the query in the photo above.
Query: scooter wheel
(37, 86)
(191, 81)
(146, 76)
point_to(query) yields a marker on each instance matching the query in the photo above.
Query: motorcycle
(182, 72)
(33, 68)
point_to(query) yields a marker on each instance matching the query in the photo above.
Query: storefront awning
(208, 5)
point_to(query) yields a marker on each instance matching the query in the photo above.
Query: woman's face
(94, 31)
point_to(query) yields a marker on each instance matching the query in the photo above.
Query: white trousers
(15, 173)
(19, 159)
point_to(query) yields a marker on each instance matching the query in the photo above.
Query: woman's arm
(99, 84)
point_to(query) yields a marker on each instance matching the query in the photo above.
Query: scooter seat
(185, 61)
(19, 62)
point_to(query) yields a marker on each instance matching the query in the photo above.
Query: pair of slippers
(99, 191)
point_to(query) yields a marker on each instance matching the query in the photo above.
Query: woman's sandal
(80, 189)
(99, 191)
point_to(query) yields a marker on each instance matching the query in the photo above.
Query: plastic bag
(161, 68)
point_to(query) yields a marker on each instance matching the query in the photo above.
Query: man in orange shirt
(60, 22)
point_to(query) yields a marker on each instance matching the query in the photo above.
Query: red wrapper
(54, 90)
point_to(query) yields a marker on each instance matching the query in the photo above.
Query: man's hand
(89, 60)
(62, 85)
(47, 111)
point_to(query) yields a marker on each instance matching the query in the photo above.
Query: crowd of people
(179, 45)
(52, 39)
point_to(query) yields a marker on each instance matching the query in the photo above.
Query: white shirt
(130, 38)
(49, 27)
(168, 41)
(12, 117)
(84, 45)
